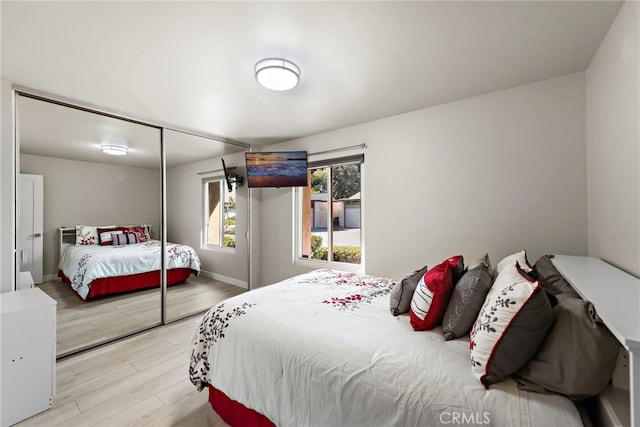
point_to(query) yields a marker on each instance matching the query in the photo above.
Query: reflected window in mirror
(219, 225)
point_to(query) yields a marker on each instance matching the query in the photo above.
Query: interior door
(30, 223)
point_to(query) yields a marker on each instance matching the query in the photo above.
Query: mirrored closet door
(101, 191)
(208, 213)
(100, 195)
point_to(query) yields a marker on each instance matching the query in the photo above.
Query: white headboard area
(67, 237)
(616, 297)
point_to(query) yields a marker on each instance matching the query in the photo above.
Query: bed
(322, 349)
(93, 269)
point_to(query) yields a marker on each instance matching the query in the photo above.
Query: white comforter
(322, 349)
(84, 263)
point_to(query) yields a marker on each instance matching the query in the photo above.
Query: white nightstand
(28, 354)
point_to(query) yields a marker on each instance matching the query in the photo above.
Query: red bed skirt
(113, 285)
(235, 413)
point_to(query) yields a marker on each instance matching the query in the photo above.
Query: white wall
(613, 141)
(185, 215)
(92, 194)
(495, 173)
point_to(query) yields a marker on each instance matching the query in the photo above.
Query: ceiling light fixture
(277, 74)
(114, 150)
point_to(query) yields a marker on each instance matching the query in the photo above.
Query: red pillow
(431, 297)
(104, 235)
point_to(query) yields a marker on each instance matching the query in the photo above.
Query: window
(329, 214)
(219, 228)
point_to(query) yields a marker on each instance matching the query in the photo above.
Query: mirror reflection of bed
(83, 185)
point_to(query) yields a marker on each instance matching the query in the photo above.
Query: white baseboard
(226, 279)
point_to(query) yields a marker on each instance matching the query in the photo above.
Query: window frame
(204, 244)
(297, 205)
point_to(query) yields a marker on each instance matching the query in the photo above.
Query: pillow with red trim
(104, 235)
(147, 231)
(510, 260)
(511, 326)
(431, 296)
(88, 234)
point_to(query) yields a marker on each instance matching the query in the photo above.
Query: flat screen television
(276, 169)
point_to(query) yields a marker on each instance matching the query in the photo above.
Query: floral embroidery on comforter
(369, 288)
(325, 288)
(210, 331)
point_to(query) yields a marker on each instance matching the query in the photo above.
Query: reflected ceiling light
(277, 74)
(114, 150)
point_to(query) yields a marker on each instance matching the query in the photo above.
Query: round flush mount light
(277, 74)
(114, 150)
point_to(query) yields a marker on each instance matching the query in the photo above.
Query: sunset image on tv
(277, 169)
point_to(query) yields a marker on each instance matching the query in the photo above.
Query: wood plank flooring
(85, 323)
(138, 381)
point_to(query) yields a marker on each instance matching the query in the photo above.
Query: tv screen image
(277, 169)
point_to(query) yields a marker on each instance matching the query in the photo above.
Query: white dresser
(28, 350)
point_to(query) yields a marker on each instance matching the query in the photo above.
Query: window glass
(220, 214)
(331, 213)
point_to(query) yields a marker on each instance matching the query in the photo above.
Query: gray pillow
(402, 293)
(511, 326)
(551, 280)
(484, 259)
(466, 301)
(578, 356)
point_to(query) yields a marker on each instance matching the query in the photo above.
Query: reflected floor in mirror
(85, 323)
(137, 381)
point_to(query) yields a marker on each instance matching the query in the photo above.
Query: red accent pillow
(431, 297)
(104, 235)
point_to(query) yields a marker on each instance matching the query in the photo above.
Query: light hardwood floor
(84, 323)
(138, 381)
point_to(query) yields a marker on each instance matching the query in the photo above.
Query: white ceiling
(190, 64)
(51, 130)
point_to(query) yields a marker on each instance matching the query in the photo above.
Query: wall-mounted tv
(277, 169)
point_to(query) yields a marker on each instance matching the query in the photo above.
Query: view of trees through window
(229, 219)
(220, 219)
(331, 214)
